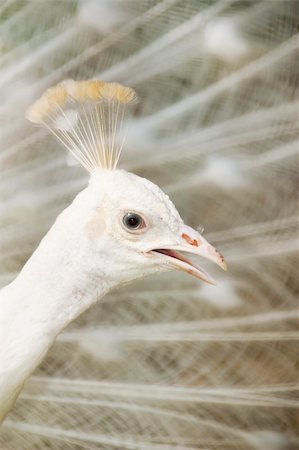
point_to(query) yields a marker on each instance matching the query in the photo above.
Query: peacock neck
(57, 283)
(53, 288)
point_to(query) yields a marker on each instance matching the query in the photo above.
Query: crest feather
(87, 117)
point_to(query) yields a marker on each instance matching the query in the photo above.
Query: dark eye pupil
(132, 220)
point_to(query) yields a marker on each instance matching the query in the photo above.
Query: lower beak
(192, 242)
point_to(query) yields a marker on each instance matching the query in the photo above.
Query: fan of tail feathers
(166, 363)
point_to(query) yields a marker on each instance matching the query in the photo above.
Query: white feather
(103, 15)
(165, 364)
(223, 39)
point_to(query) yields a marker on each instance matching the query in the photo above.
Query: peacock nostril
(191, 241)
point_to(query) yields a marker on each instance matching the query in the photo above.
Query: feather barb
(87, 117)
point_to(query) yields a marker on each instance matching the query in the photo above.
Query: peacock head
(142, 228)
(129, 221)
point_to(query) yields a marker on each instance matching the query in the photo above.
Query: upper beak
(192, 242)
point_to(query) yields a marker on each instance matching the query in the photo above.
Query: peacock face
(143, 229)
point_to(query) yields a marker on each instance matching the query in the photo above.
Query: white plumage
(163, 363)
(120, 228)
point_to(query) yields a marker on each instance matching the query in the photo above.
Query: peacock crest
(87, 117)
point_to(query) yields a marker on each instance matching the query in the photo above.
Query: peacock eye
(133, 221)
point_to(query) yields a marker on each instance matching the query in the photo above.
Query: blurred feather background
(167, 362)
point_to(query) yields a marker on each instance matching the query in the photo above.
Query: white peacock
(166, 362)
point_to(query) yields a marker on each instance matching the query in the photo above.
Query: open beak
(191, 242)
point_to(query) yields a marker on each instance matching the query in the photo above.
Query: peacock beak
(202, 247)
(191, 241)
